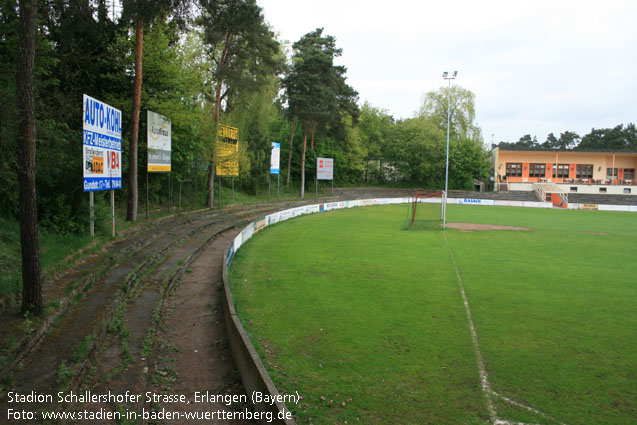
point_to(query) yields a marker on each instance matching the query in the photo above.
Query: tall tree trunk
(313, 127)
(137, 100)
(210, 199)
(218, 101)
(366, 169)
(303, 163)
(30, 244)
(287, 179)
(222, 63)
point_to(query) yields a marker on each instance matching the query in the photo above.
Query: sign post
(275, 161)
(101, 151)
(158, 137)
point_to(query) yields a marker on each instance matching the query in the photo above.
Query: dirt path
(194, 353)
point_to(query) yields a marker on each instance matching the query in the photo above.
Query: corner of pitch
(259, 397)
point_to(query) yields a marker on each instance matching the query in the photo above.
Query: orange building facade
(574, 171)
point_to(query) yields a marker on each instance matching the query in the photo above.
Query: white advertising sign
(159, 142)
(325, 168)
(275, 158)
(102, 146)
(472, 201)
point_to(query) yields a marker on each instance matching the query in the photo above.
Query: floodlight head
(455, 73)
(444, 74)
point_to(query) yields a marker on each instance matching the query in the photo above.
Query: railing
(539, 192)
(564, 197)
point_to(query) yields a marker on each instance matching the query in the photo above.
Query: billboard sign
(102, 146)
(275, 158)
(227, 151)
(325, 168)
(472, 201)
(158, 135)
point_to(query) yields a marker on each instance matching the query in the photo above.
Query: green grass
(54, 248)
(346, 306)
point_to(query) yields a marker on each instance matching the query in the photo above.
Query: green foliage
(526, 142)
(315, 87)
(413, 151)
(617, 138)
(567, 140)
(459, 104)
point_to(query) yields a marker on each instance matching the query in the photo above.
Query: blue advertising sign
(275, 158)
(102, 149)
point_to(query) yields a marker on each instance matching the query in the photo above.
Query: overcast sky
(535, 66)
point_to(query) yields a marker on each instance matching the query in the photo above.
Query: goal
(424, 209)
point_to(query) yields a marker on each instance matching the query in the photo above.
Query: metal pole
(232, 188)
(91, 216)
(269, 185)
(170, 192)
(179, 194)
(113, 213)
(219, 190)
(444, 208)
(278, 185)
(146, 194)
(444, 217)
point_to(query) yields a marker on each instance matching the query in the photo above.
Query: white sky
(535, 66)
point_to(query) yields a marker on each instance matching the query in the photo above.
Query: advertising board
(227, 151)
(102, 145)
(159, 143)
(275, 158)
(325, 168)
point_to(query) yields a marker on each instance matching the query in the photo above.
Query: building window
(573, 188)
(584, 171)
(627, 190)
(537, 170)
(629, 173)
(602, 190)
(560, 171)
(611, 173)
(514, 169)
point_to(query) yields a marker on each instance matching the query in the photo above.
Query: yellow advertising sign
(98, 165)
(227, 151)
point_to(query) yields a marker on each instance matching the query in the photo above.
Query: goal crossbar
(415, 199)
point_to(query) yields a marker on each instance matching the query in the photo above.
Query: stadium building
(551, 171)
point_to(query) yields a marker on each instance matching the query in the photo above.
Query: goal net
(424, 210)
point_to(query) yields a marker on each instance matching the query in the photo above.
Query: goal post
(423, 209)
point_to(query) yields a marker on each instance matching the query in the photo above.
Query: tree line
(619, 138)
(200, 63)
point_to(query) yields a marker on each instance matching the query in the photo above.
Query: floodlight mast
(445, 75)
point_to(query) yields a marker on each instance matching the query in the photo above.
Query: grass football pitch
(366, 320)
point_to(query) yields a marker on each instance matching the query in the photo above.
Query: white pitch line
(484, 377)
